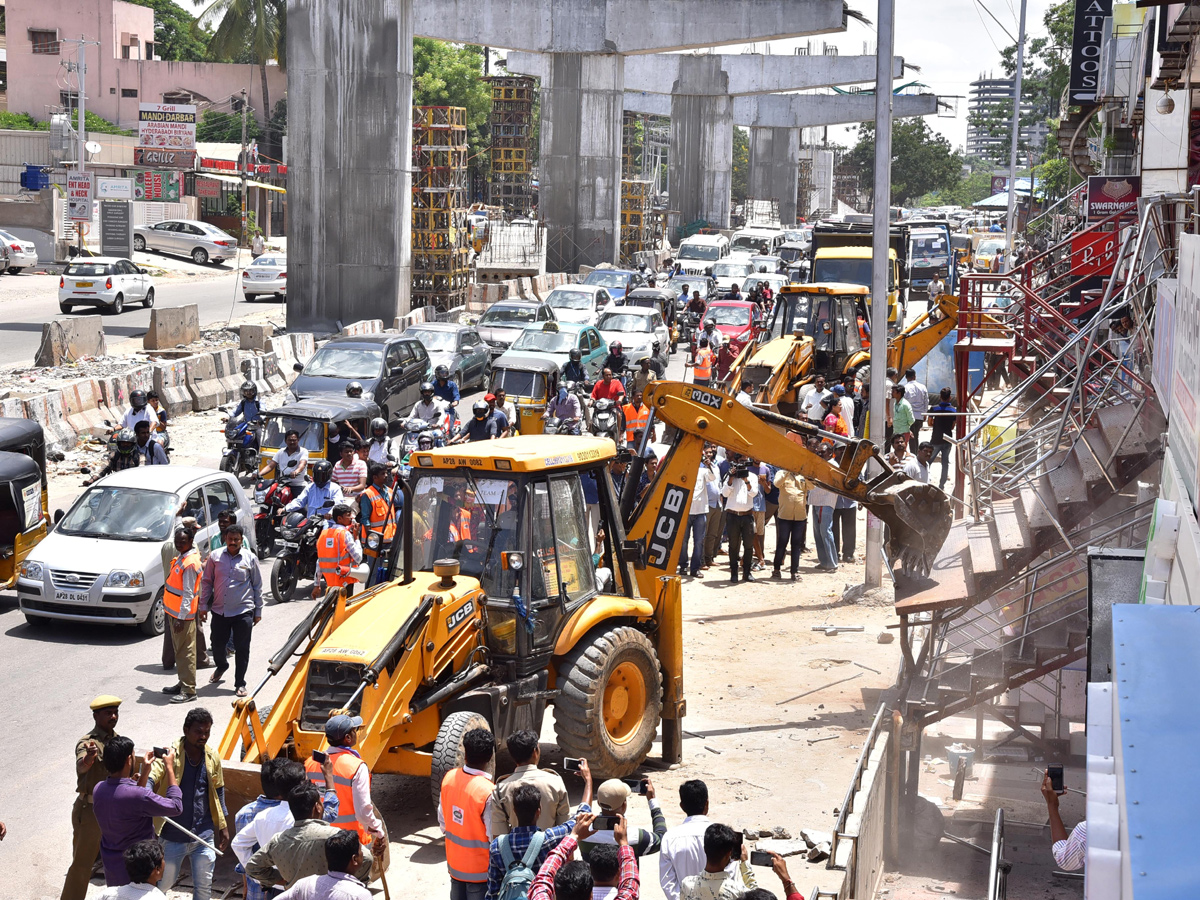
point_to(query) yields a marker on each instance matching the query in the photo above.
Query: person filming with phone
(613, 799)
(1070, 852)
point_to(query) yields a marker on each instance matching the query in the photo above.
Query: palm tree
(257, 28)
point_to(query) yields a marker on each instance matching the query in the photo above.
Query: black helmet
(615, 346)
(425, 441)
(376, 424)
(441, 373)
(322, 472)
(576, 356)
(426, 389)
(249, 390)
(480, 409)
(137, 399)
(657, 345)
(126, 439)
(354, 389)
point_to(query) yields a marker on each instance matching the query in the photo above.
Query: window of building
(149, 49)
(44, 41)
(3, 24)
(128, 92)
(177, 97)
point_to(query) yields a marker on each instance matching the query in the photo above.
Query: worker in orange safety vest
(704, 364)
(181, 597)
(376, 516)
(338, 551)
(465, 814)
(637, 416)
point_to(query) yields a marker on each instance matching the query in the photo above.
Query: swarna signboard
(1108, 195)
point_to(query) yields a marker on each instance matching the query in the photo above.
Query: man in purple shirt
(126, 808)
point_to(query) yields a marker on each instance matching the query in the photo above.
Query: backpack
(519, 874)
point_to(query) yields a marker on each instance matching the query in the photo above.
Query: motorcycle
(606, 421)
(691, 328)
(240, 456)
(297, 557)
(271, 495)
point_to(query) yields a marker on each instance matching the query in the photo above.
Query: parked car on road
(102, 562)
(390, 368)
(503, 321)
(266, 275)
(457, 347)
(21, 253)
(105, 282)
(202, 241)
(578, 302)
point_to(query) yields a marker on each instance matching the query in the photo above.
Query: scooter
(606, 421)
(240, 456)
(297, 557)
(271, 495)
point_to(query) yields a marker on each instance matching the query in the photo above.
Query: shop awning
(228, 179)
(266, 187)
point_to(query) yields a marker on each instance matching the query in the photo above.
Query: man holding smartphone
(613, 799)
(1070, 852)
(722, 846)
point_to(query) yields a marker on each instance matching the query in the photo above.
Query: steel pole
(880, 264)
(1010, 225)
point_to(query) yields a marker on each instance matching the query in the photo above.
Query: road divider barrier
(48, 411)
(229, 373)
(69, 339)
(84, 407)
(253, 369)
(255, 337)
(172, 327)
(364, 326)
(170, 380)
(202, 381)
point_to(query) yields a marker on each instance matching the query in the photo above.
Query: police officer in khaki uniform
(89, 771)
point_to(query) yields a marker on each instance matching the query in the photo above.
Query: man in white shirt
(821, 501)
(429, 408)
(682, 852)
(270, 814)
(917, 467)
(507, 407)
(917, 396)
(697, 524)
(291, 462)
(811, 405)
(937, 287)
(739, 493)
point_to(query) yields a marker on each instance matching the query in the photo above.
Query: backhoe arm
(917, 515)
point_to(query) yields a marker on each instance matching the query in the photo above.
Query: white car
(102, 562)
(266, 275)
(729, 272)
(106, 282)
(581, 303)
(636, 328)
(21, 253)
(202, 241)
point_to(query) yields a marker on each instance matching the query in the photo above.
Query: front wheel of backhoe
(610, 701)
(448, 748)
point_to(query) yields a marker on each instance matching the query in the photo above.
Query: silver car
(21, 253)
(203, 242)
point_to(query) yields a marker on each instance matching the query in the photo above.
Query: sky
(953, 42)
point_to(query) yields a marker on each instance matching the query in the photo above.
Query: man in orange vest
(351, 781)
(181, 597)
(465, 815)
(375, 515)
(704, 364)
(637, 417)
(338, 551)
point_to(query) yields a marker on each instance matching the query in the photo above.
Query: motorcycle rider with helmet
(483, 426)
(445, 389)
(379, 449)
(139, 411)
(573, 370)
(315, 494)
(716, 340)
(248, 407)
(617, 360)
(125, 456)
(429, 408)
(564, 406)
(354, 390)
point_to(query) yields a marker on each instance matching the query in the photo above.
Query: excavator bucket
(918, 517)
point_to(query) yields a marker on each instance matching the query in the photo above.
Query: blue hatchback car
(555, 341)
(615, 281)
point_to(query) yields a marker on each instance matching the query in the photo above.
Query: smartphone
(737, 846)
(161, 753)
(605, 823)
(571, 764)
(761, 858)
(1056, 778)
(637, 785)
(320, 756)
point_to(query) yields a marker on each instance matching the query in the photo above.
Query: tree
(256, 27)
(740, 181)
(176, 36)
(922, 160)
(225, 128)
(452, 75)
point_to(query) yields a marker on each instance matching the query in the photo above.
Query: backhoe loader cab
(827, 313)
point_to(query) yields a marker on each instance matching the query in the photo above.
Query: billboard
(114, 188)
(164, 159)
(167, 126)
(116, 228)
(1111, 194)
(999, 184)
(157, 186)
(1086, 42)
(1093, 253)
(79, 196)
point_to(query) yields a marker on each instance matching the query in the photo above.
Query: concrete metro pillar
(701, 166)
(580, 183)
(774, 168)
(350, 72)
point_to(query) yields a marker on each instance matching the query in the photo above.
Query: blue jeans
(467, 890)
(822, 517)
(942, 451)
(697, 525)
(203, 860)
(787, 531)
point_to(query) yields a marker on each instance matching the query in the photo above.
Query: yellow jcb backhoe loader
(499, 609)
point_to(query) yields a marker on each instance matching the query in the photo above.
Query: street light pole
(880, 264)
(1010, 225)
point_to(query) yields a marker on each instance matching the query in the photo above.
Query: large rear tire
(611, 701)
(447, 749)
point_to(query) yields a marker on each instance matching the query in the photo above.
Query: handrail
(997, 866)
(855, 783)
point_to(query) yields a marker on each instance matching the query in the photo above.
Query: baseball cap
(489, 397)
(104, 701)
(338, 727)
(612, 794)
(839, 390)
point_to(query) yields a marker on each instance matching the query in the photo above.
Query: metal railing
(839, 826)
(1062, 218)
(997, 865)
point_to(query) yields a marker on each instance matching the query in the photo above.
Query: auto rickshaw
(530, 383)
(317, 419)
(24, 494)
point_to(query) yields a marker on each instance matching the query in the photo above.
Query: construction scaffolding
(804, 189)
(638, 220)
(511, 124)
(440, 240)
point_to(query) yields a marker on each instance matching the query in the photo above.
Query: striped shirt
(348, 477)
(627, 879)
(1071, 853)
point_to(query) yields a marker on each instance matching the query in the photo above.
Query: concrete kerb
(276, 379)
(229, 373)
(115, 389)
(365, 326)
(12, 408)
(83, 405)
(172, 327)
(202, 382)
(48, 411)
(170, 380)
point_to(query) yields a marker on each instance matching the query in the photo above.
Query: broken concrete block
(254, 337)
(885, 637)
(66, 340)
(783, 848)
(812, 837)
(172, 326)
(819, 852)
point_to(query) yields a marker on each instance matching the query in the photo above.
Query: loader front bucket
(918, 519)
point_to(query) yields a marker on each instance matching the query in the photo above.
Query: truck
(841, 254)
(930, 254)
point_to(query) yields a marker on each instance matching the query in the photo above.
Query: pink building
(122, 72)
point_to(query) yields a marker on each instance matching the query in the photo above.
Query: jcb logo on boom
(666, 528)
(456, 618)
(705, 398)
